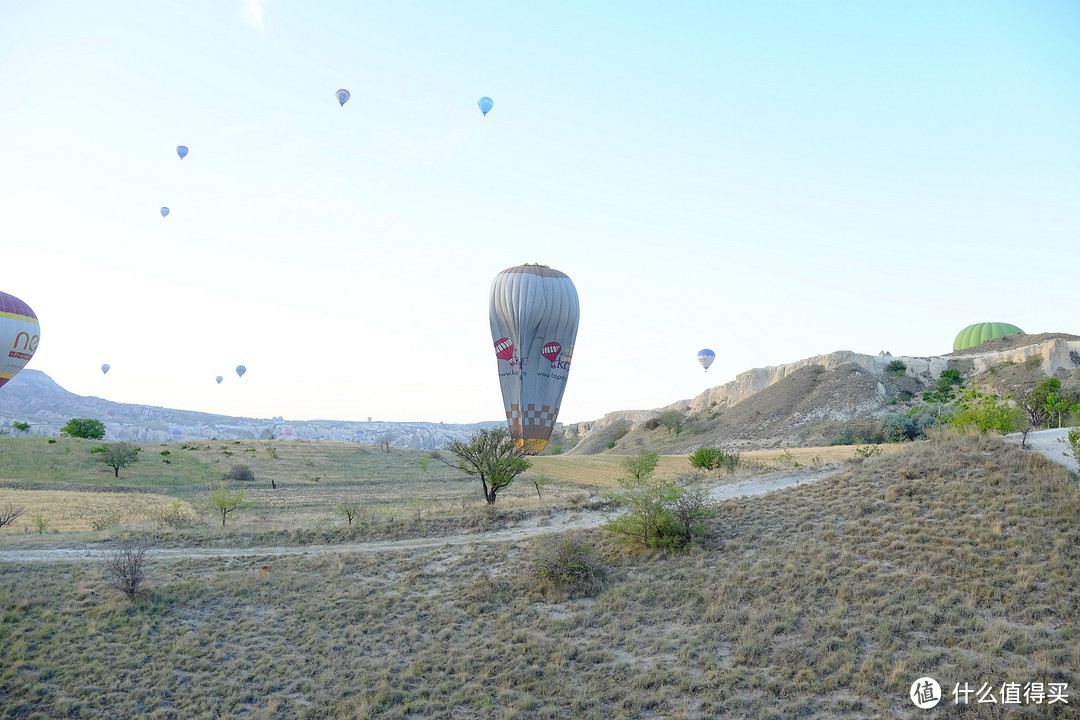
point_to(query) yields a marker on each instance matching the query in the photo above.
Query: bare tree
(127, 568)
(10, 513)
(385, 440)
(348, 509)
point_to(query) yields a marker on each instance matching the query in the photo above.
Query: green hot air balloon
(534, 322)
(978, 333)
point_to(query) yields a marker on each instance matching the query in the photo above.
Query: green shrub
(621, 433)
(652, 423)
(240, 473)
(1033, 362)
(610, 444)
(896, 366)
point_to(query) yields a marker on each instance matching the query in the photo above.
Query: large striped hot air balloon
(534, 322)
(19, 336)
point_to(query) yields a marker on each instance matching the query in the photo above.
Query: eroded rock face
(777, 422)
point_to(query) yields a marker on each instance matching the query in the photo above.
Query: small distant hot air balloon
(485, 104)
(342, 96)
(181, 150)
(19, 336)
(177, 433)
(706, 357)
(164, 211)
(533, 311)
(240, 370)
(105, 369)
(218, 379)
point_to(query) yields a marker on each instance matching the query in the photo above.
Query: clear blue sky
(769, 180)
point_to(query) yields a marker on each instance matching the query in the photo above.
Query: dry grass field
(957, 558)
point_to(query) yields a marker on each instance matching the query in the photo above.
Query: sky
(769, 180)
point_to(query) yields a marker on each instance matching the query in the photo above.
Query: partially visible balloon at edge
(485, 104)
(219, 379)
(19, 331)
(164, 211)
(181, 150)
(240, 370)
(105, 369)
(342, 96)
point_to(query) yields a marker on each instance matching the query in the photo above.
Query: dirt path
(557, 523)
(1054, 444)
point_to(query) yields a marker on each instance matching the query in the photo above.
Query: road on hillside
(534, 527)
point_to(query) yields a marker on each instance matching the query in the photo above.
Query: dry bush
(127, 569)
(566, 566)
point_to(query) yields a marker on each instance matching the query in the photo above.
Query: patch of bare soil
(532, 527)
(1053, 444)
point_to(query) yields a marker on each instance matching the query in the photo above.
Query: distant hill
(809, 402)
(33, 397)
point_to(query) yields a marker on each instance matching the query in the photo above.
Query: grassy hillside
(956, 558)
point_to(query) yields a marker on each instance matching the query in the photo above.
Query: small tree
(21, 427)
(424, 463)
(227, 501)
(117, 455)
(642, 465)
(491, 455)
(984, 412)
(672, 421)
(84, 428)
(127, 568)
(385, 440)
(1033, 405)
(707, 458)
(10, 513)
(348, 509)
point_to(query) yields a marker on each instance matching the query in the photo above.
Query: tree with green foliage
(84, 428)
(672, 420)
(714, 459)
(117, 455)
(642, 465)
(491, 455)
(1033, 405)
(985, 412)
(227, 501)
(22, 427)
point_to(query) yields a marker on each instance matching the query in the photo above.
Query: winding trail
(534, 527)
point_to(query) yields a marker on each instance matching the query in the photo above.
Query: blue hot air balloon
(218, 379)
(706, 357)
(164, 211)
(342, 96)
(181, 150)
(105, 369)
(484, 104)
(240, 370)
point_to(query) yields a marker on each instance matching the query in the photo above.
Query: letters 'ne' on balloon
(706, 357)
(19, 336)
(342, 96)
(533, 311)
(485, 104)
(181, 150)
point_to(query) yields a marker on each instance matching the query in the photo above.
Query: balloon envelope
(533, 312)
(105, 369)
(485, 104)
(218, 379)
(181, 150)
(19, 336)
(342, 96)
(164, 211)
(979, 333)
(706, 357)
(240, 370)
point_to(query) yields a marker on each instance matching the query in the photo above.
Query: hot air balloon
(164, 211)
(342, 96)
(484, 104)
(105, 369)
(706, 357)
(19, 335)
(218, 379)
(181, 150)
(240, 370)
(979, 333)
(533, 312)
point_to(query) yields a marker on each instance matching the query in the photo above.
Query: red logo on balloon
(551, 352)
(504, 350)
